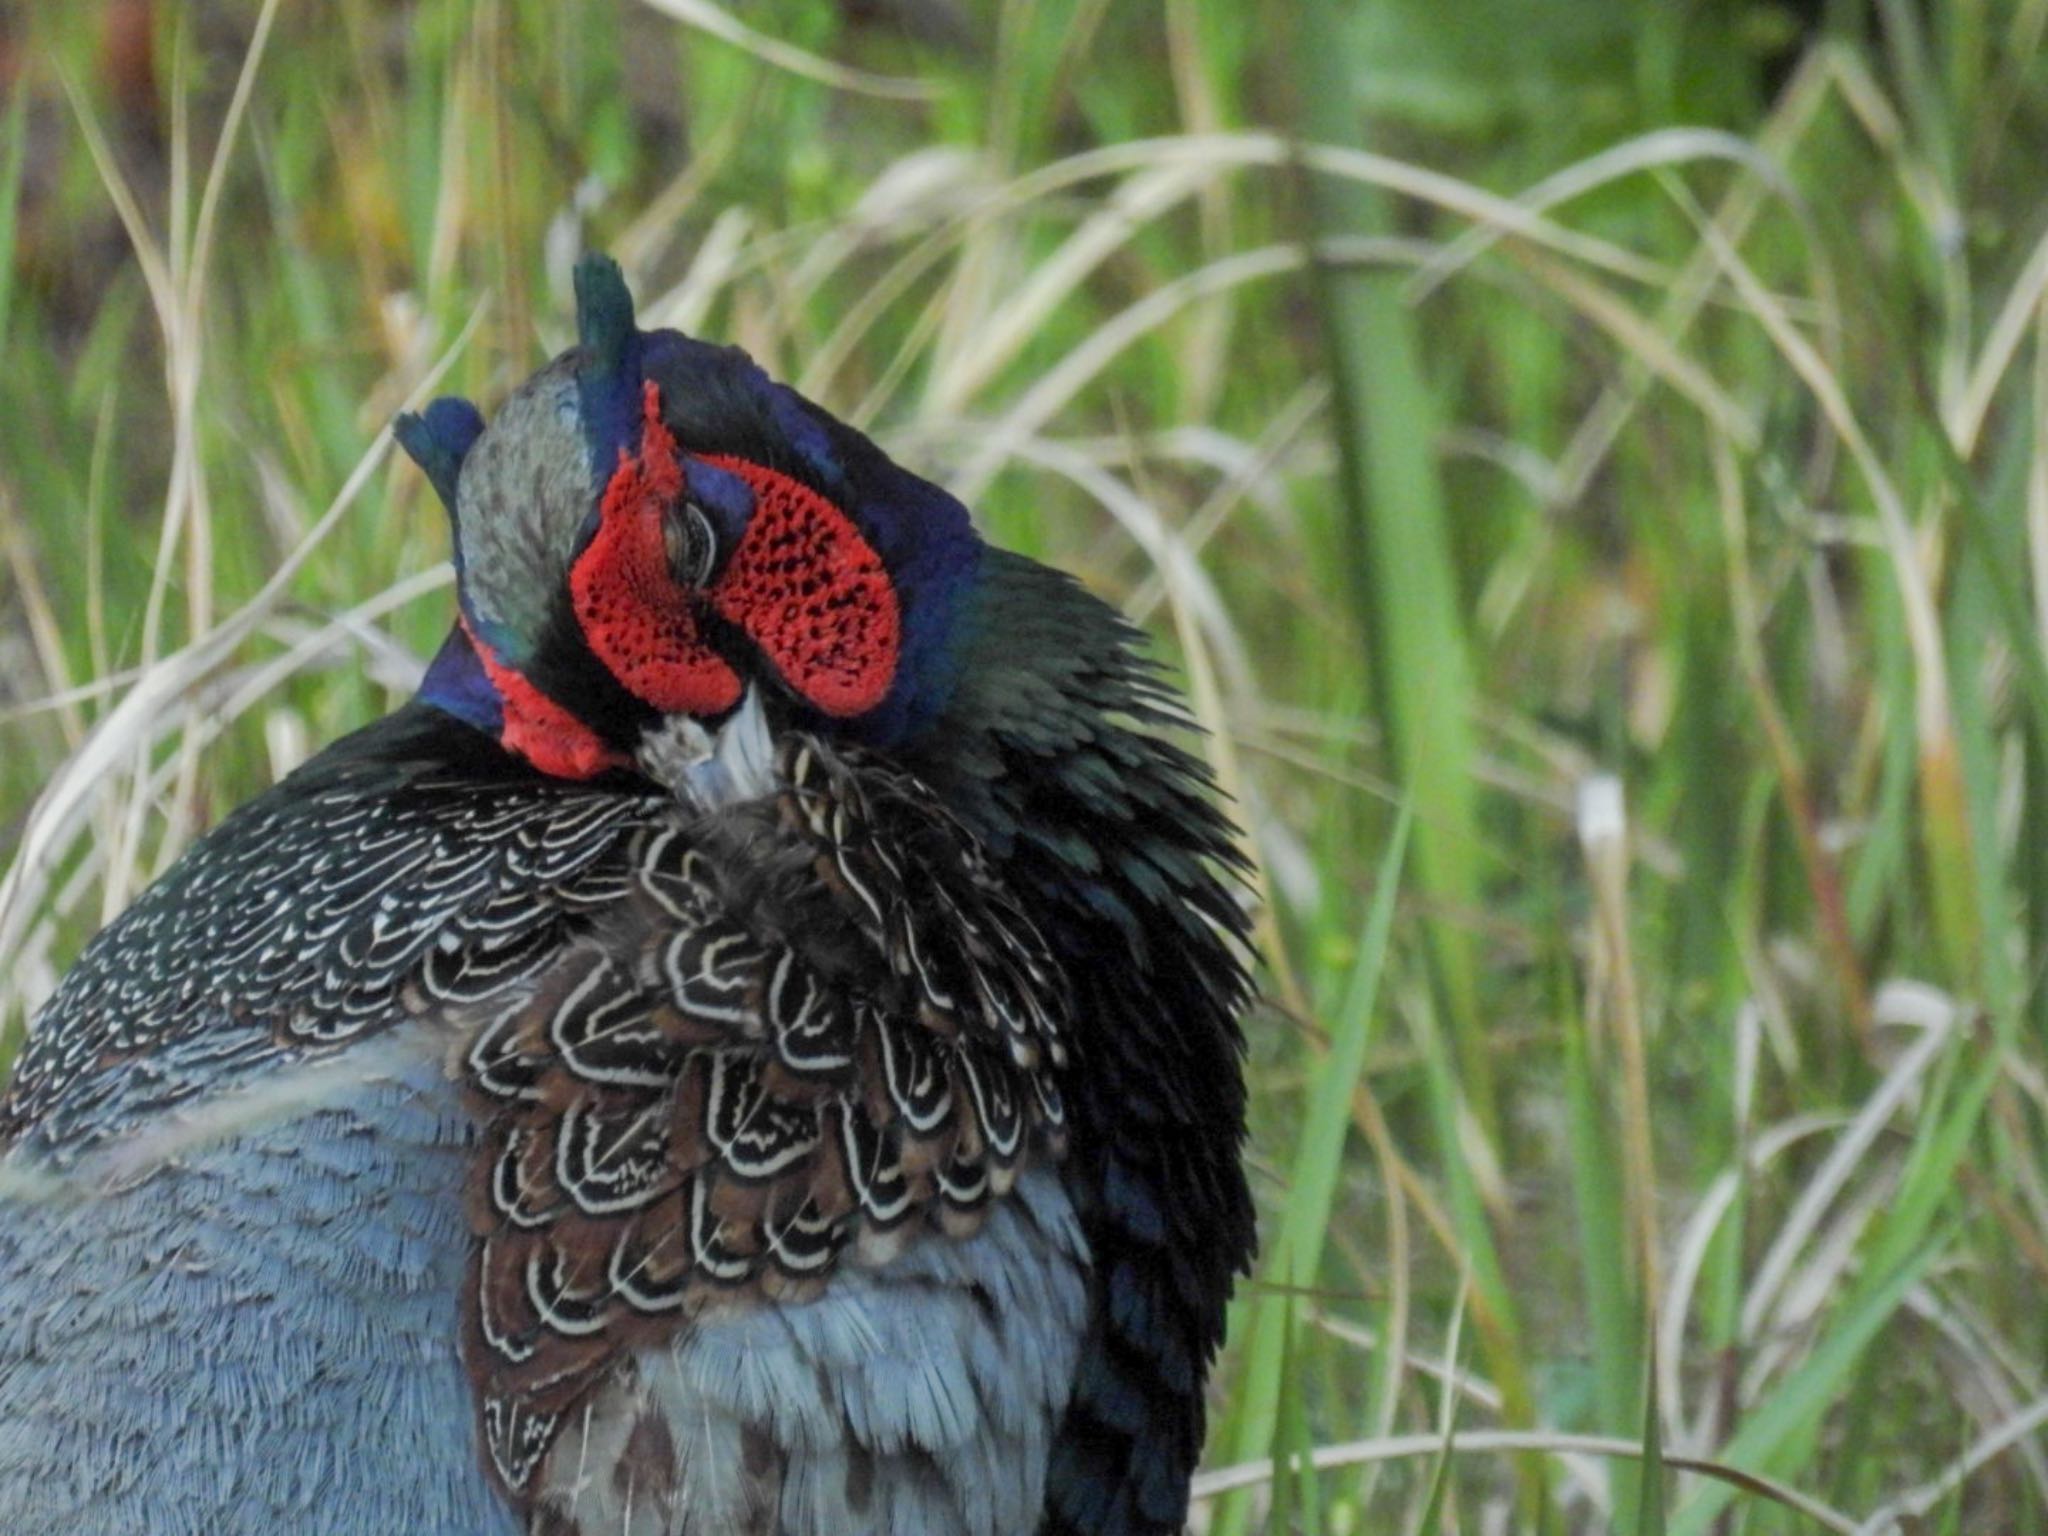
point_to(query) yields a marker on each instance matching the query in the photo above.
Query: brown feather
(803, 1031)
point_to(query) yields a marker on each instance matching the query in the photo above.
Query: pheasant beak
(709, 767)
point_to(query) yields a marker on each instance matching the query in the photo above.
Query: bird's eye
(692, 545)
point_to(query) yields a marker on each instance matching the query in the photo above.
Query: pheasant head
(651, 533)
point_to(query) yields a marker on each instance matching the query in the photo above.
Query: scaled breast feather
(758, 1044)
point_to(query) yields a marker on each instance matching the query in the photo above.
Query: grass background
(1589, 460)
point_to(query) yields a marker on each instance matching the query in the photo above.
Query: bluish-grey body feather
(917, 1399)
(261, 1293)
(250, 1335)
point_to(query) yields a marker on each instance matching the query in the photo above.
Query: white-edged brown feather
(797, 1032)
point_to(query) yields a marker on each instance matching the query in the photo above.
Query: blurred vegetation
(1590, 460)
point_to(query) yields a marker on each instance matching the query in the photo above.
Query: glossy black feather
(1119, 835)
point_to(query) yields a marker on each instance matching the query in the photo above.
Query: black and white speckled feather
(290, 930)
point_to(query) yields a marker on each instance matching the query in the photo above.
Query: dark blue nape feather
(438, 439)
(608, 377)
(456, 684)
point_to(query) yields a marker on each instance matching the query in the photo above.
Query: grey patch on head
(526, 489)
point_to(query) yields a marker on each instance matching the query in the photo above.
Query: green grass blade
(1394, 552)
(1295, 1255)
(1806, 1394)
(13, 154)
(1650, 1504)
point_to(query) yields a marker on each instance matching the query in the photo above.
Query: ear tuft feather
(604, 313)
(438, 439)
(608, 372)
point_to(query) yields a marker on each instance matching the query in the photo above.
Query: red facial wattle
(539, 729)
(802, 584)
(634, 615)
(812, 594)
